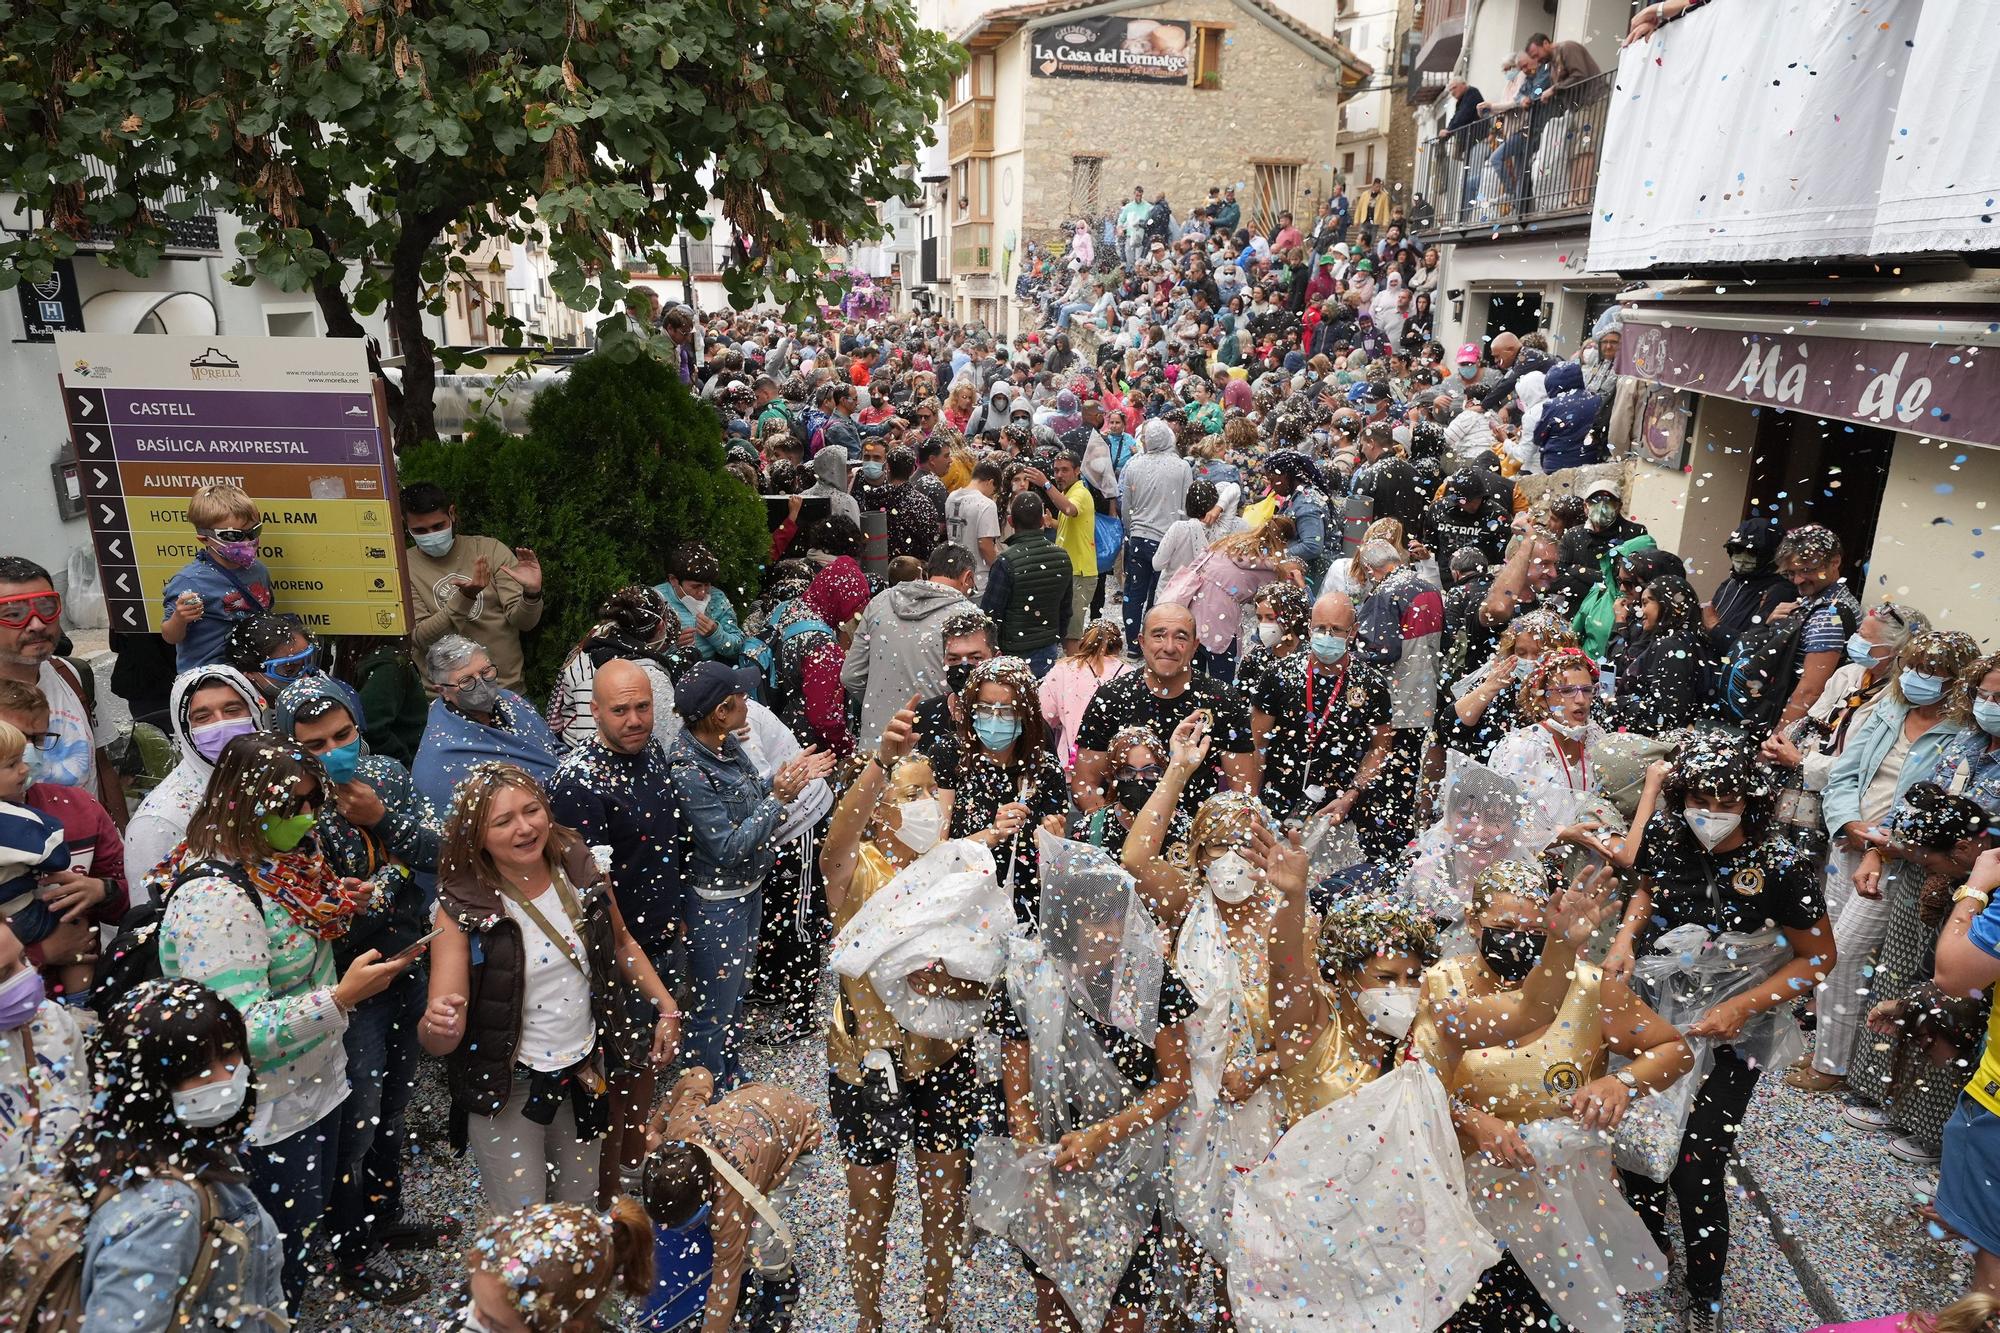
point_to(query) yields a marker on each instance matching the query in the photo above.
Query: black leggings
(1506, 1301)
(1700, 1182)
(788, 967)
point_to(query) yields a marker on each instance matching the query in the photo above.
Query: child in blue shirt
(31, 845)
(223, 584)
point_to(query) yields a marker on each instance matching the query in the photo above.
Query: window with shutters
(1274, 185)
(1208, 57)
(1085, 176)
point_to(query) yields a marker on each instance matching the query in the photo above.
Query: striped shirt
(281, 979)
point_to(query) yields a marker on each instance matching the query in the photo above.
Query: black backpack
(1762, 668)
(133, 956)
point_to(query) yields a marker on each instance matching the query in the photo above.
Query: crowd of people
(1218, 742)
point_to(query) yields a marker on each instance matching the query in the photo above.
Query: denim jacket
(731, 814)
(142, 1243)
(1869, 743)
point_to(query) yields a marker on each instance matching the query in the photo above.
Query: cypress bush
(620, 464)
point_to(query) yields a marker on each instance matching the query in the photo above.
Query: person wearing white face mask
(206, 709)
(887, 1085)
(1729, 930)
(465, 584)
(1549, 758)
(1813, 744)
(162, 1151)
(1894, 746)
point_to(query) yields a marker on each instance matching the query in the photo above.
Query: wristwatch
(1964, 891)
(1628, 1078)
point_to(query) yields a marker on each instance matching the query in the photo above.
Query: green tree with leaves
(368, 145)
(619, 465)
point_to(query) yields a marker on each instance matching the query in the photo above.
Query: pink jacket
(1066, 691)
(1216, 589)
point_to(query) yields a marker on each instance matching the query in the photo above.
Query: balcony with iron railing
(1518, 169)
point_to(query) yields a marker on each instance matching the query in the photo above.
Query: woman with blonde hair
(1223, 580)
(1922, 710)
(1350, 577)
(1486, 701)
(532, 972)
(549, 1268)
(959, 405)
(1073, 681)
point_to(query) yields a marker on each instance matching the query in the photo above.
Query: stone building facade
(1258, 108)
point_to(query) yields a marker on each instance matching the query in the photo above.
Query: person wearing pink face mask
(206, 709)
(224, 583)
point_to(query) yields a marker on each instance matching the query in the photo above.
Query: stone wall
(1276, 102)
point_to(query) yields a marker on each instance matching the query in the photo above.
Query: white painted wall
(1936, 546)
(33, 429)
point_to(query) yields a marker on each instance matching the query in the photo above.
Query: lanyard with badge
(1316, 793)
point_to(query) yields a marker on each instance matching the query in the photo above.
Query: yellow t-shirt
(1984, 1087)
(1077, 534)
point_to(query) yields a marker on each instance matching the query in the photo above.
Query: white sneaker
(1911, 1150)
(1872, 1119)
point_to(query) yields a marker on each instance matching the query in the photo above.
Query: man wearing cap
(733, 817)
(1469, 515)
(1387, 478)
(1467, 374)
(1605, 527)
(1228, 214)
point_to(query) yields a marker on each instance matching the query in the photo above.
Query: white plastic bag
(1648, 1140)
(1210, 1149)
(1359, 1220)
(1080, 1228)
(1212, 1137)
(946, 907)
(1568, 1226)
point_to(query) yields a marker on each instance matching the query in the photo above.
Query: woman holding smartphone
(373, 827)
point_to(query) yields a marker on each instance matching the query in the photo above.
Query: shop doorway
(1809, 469)
(1518, 313)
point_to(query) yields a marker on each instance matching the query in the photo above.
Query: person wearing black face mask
(970, 637)
(1138, 759)
(1560, 1073)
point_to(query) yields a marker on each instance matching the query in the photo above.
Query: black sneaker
(407, 1234)
(383, 1281)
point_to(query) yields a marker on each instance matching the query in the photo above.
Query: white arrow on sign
(83, 405)
(102, 479)
(129, 616)
(123, 582)
(110, 514)
(90, 438)
(116, 547)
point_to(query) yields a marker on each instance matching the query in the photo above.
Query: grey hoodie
(830, 466)
(898, 651)
(1156, 483)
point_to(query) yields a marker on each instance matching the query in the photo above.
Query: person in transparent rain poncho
(1360, 1219)
(1484, 819)
(1095, 1061)
(1535, 1115)
(1727, 931)
(922, 925)
(1219, 911)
